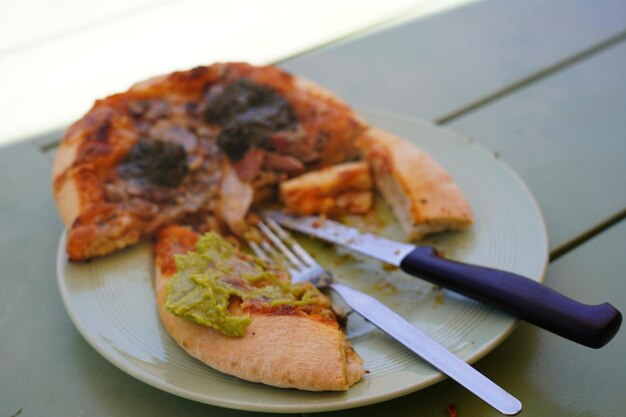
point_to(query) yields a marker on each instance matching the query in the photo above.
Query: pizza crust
(285, 351)
(89, 148)
(282, 351)
(68, 201)
(341, 188)
(341, 146)
(423, 196)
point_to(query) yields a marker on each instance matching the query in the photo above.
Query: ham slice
(250, 165)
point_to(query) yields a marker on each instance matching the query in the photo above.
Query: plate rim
(334, 405)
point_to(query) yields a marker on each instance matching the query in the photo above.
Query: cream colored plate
(111, 300)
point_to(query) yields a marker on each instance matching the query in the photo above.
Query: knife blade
(432, 352)
(368, 244)
(590, 325)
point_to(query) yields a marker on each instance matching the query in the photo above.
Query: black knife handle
(589, 325)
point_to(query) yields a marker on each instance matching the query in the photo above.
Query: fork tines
(280, 246)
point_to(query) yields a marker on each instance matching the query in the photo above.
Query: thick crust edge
(423, 196)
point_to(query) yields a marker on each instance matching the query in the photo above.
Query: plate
(111, 300)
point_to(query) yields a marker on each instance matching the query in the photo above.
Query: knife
(590, 325)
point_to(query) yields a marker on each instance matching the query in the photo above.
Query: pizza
(193, 147)
(185, 158)
(267, 330)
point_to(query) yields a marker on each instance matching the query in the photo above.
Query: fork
(281, 246)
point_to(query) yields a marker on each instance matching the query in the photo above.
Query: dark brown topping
(149, 109)
(169, 132)
(101, 134)
(248, 113)
(155, 162)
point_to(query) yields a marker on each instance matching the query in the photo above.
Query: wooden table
(541, 83)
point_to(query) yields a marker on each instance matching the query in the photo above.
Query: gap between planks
(532, 78)
(586, 236)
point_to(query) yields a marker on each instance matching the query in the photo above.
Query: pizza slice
(423, 196)
(241, 316)
(188, 147)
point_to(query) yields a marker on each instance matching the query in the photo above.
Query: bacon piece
(250, 165)
(284, 141)
(283, 163)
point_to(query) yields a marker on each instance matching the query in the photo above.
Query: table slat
(566, 137)
(435, 66)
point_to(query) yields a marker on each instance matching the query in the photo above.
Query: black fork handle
(590, 325)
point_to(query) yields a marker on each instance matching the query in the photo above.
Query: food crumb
(252, 234)
(370, 222)
(319, 221)
(439, 298)
(233, 241)
(344, 259)
(390, 268)
(327, 245)
(386, 286)
(451, 410)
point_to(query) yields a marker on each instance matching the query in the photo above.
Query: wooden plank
(433, 67)
(550, 375)
(565, 136)
(47, 368)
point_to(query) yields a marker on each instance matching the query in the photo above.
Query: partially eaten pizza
(185, 158)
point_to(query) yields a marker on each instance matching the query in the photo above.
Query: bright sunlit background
(57, 57)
